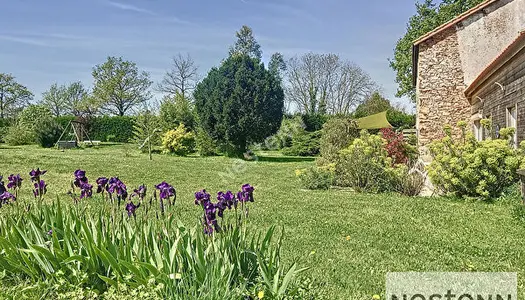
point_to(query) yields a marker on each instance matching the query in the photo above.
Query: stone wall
(440, 88)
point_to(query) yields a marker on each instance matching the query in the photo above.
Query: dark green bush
(64, 120)
(102, 128)
(314, 122)
(304, 144)
(48, 133)
(400, 120)
(205, 144)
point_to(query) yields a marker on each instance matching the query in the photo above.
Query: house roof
(456, 20)
(512, 50)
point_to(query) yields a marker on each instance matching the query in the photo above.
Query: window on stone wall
(512, 121)
(478, 130)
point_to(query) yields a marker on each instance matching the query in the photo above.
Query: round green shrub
(179, 141)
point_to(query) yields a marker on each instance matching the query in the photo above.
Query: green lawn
(349, 240)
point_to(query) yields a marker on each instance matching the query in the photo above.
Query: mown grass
(349, 240)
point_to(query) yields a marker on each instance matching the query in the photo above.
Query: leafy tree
(120, 85)
(77, 99)
(246, 44)
(181, 78)
(240, 103)
(176, 110)
(13, 96)
(146, 131)
(373, 105)
(428, 17)
(55, 100)
(66, 99)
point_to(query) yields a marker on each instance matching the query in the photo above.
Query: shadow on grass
(284, 159)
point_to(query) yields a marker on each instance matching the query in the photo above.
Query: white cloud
(130, 7)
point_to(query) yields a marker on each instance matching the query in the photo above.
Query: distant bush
(315, 178)
(365, 165)
(304, 144)
(48, 133)
(114, 129)
(19, 135)
(400, 120)
(466, 167)
(290, 126)
(314, 122)
(177, 110)
(179, 141)
(205, 144)
(24, 131)
(337, 134)
(4, 128)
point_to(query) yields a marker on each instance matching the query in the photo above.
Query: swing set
(76, 131)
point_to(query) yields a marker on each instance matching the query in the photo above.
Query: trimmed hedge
(105, 128)
(111, 129)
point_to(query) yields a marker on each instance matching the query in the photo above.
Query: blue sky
(47, 41)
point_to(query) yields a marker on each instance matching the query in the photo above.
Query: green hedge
(106, 129)
(112, 129)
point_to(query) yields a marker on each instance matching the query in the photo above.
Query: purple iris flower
(246, 194)
(80, 178)
(15, 181)
(225, 201)
(140, 192)
(118, 187)
(102, 184)
(210, 219)
(86, 190)
(40, 188)
(165, 190)
(201, 198)
(6, 198)
(35, 174)
(131, 208)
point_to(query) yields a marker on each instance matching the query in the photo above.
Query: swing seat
(67, 144)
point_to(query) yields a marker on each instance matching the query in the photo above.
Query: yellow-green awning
(376, 121)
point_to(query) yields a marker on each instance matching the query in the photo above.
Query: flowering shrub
(366, 166)
(467, 167)
(179, 141)
(399, 150)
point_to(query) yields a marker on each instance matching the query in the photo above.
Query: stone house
(470, 68)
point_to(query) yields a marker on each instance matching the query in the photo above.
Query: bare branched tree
(181, 78)
(323, 83)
